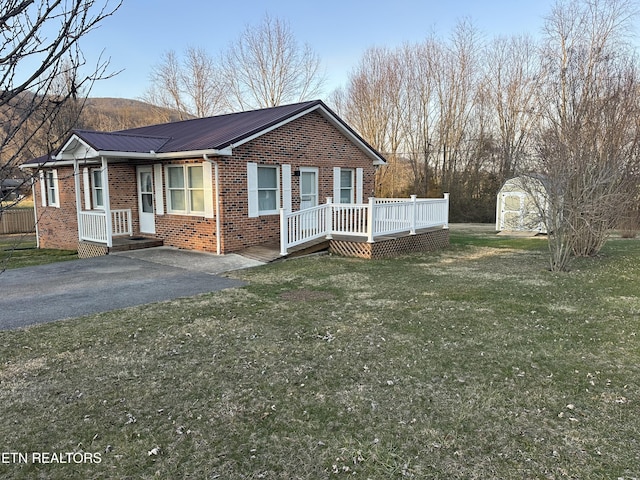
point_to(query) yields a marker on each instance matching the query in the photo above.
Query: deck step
(263, 253)
(270, 252)
(122, 244)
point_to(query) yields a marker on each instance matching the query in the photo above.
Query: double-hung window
(346, 186)
(49, 188)
(267, 189)
(97, 190)
(185, 189)
(264, 189)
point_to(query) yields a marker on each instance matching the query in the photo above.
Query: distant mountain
(110, 114)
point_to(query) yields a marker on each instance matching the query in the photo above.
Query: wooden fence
(17, 220)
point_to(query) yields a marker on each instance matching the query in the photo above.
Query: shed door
(512, 214)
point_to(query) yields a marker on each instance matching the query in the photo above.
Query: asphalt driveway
(71, 289)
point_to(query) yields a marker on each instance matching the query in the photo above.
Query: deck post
(370, 219)
(446, 223)
(414, 213)
(328, 219)
(283, 232)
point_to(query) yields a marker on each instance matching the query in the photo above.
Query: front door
(308, 188)
(145, 200)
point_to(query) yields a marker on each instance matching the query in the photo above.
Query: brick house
(288, 174)
(214, 184)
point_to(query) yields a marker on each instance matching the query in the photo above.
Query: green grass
(475, 362)
(19, 250)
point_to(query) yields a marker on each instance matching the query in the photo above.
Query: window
(263, 189)
(346, 186)
(49, 188)
(185, 189)
(97, 189)
(267, 189)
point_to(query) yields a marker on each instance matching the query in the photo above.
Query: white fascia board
(60, 163)
(224, 152)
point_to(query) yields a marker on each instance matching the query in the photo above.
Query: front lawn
(471, 363)
(20, 250)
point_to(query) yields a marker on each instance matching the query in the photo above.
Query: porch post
(414, 213)
(328, 219)
(370, 220)
(283, 232)
(76, 186)
(107, 202)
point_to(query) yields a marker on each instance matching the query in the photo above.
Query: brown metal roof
(122, 142)
(211, 133)
(217, 132)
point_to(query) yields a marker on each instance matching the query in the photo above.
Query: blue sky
(338, 30)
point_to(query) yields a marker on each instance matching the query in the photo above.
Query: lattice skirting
(88, 250)
(421, 242)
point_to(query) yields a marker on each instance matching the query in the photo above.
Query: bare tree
(512, 76)
(419, 122)
(266, 66)
(190, 86)
(587, 136)
(39, 46)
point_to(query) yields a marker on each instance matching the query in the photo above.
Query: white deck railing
(378, 217)
(93, 225)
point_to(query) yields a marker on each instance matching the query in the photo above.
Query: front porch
(100, 233)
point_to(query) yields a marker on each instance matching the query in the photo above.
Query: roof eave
(66, 159)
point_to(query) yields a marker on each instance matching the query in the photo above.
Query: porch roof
(218, 134)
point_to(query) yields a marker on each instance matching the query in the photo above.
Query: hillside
(109, 114)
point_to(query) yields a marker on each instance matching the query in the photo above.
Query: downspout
(217, 200)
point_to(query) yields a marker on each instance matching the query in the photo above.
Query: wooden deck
(428, 239)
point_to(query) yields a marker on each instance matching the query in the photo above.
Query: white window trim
(351, 188)
(253, 189)
(187, 190)
(49, 182)
(94, 196)
(357, 184)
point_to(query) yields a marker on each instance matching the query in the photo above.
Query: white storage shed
(519, 205)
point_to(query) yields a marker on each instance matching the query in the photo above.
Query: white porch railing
(93, 225)
(378, 217)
